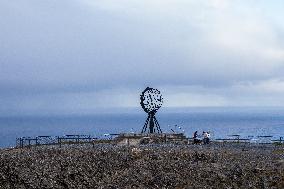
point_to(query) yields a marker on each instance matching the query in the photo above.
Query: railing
(279, 141)
(258, 139)
(73, 139)
(78, 139)
(238, 140)
(49, 140)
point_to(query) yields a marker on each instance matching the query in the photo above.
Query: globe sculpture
(151, 100)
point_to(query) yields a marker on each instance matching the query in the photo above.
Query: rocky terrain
(145, 166)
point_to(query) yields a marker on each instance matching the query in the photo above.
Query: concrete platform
(150, 138)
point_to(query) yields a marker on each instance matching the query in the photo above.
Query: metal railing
(49, 140)
(78, 139)
(258, 139)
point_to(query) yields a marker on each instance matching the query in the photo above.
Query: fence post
(59, 141)
(22, 142)
(29, 143)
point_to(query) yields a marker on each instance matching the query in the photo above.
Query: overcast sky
(80, 55)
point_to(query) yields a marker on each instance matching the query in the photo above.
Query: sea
(221, 122)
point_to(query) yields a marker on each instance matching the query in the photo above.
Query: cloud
(204, 36)
(207, 52)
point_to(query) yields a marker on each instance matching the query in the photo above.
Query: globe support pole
(152, 123)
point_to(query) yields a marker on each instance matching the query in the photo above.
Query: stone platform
(150, 138)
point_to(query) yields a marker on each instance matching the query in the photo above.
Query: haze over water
(221, 122)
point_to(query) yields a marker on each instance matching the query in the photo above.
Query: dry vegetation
(155, 166)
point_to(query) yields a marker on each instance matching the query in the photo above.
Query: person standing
(206, 136)
(195, 139)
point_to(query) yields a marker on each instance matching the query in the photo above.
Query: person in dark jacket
(195, 139)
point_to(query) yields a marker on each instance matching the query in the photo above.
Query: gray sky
(79, 55)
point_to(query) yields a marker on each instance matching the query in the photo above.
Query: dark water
(221, 122)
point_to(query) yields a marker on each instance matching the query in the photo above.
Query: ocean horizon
(220, 121)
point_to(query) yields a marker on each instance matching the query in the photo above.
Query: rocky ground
(152, 166)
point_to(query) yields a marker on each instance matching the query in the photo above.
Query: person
(195, 138)
(195, 135)
(206, 136)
